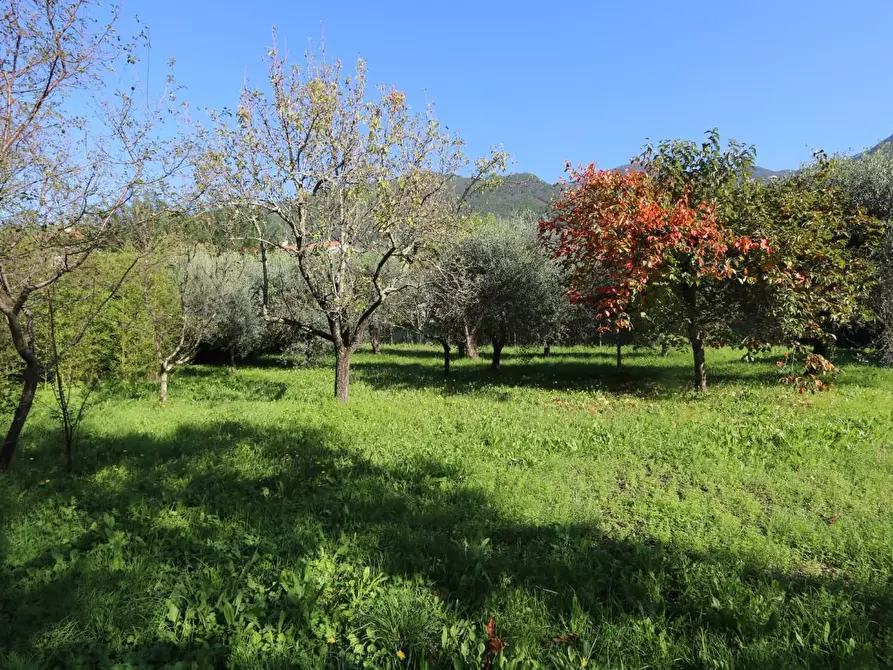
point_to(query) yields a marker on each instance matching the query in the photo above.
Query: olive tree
(237, 328)
(360, 184)
(517, 290)
(438, 303)
(867, 180)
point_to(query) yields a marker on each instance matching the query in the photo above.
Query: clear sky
(577, 81)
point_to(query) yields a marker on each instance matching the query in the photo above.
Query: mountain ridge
(525, 192)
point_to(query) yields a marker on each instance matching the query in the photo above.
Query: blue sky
(577, 81)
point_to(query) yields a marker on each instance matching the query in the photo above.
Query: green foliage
(868, 181)
(10, 385)
(821, 273)
(699, 174)
(882, 300)
(519, 194)
(237, 327)
(517, 290)
(610, 518)
(116, 345)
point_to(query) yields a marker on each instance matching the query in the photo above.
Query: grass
(605, 520)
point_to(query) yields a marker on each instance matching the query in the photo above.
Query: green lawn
(604, 520)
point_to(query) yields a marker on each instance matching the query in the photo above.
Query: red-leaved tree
(628, 245)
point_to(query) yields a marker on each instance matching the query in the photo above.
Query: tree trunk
(446, 357)
(232, 360)
(29, 388)
(463, 348)
(342, 372)
(696, 337)
(497, 353)
(547, 349)
(70, 429)
(163, 374)
(375, 336)
(470, 342)
(619, 352)
(63, 400)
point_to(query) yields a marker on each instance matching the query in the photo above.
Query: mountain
(763, 174)
(523, 192)
(519, 193)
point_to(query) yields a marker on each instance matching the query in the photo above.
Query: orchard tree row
(320, 209)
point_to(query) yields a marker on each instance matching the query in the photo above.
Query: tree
(517, 290)
(867, 180)
(884, 298)
(58, 313)
(823, 272)
(437, 304)
(237, 329)
(362, 188)
(659, 237)
(73, 389)
(626, 243)
(63, 174)
(183, 289)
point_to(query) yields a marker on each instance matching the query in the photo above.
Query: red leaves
(619, 234)
(809, 379)
(494, 644)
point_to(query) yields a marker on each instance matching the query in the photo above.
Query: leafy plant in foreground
(806, 370)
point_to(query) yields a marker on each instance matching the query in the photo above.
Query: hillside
(519, 193)
(763, 174)
(526, 193)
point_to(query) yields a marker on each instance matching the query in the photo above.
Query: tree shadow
(403, 351)
(424, 351)
(552, 373)
(213, 510)
(203, 386)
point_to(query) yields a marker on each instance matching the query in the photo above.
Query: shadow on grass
(218, 509)
(553, 373)
(514, 353)
(204, 385)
